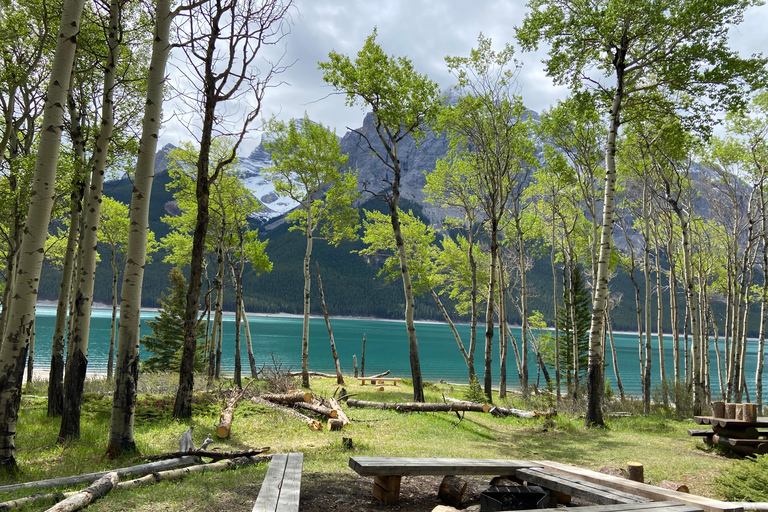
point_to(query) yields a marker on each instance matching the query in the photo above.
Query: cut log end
(451, 490)
(635, 471)
(222, 431)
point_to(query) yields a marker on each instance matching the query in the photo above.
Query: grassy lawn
(659, 442)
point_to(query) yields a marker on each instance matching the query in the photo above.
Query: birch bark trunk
(21, 314)
(127, 364)
(74, 377)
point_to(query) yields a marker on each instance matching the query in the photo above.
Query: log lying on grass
(172, 474)
(505, 411)
(228, 414)
(288, 398)
(341, 420)
(317, 408)
(87, 496)
(419, 406)
(176, 474)
(313, 424)
(66, 481)
(210, 454)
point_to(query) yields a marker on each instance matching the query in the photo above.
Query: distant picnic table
(380, 380)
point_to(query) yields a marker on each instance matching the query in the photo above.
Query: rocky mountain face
(373, 174)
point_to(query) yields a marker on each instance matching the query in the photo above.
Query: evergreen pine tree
(582, 301)
(167, 336)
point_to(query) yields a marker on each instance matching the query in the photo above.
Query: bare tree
(221, 40)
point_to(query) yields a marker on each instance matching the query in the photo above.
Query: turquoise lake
(386, 348)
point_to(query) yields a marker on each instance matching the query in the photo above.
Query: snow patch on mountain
(262, 188)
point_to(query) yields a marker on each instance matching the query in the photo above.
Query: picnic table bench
(612, 494)
(381, 380)
(281, 488)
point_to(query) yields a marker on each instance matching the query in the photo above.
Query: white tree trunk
(21, 314)
(74, 376)
(127, 367)
(307, 287)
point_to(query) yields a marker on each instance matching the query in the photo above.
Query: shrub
(747, 480)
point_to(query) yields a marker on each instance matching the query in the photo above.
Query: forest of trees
(632, 147)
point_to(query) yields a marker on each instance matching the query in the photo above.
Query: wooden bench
(380, 380)
(388, 471)
(281, 488)
(648, 491)
(571, 486)
(651, 506)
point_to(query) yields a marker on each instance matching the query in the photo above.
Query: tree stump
(635, 471)
(718, 409)
(730, 411)
(346, 443)
(451, 491)
(335, 424)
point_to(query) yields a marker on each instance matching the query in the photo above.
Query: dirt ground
(353, 494)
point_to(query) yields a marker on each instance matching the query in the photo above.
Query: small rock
(444, 508)
(472, 508)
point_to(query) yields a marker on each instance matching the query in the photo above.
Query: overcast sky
(425, 32)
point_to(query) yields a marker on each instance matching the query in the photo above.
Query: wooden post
(718, 409)
(730, 411)
(386, 489)
(635, 471)
(749, 412)
(354, 362)
(362, 359)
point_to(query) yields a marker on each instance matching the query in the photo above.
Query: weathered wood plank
(641, 489)
(590, 491)
(652, 506)
(290, 490)
(408, 466)
(269, 493)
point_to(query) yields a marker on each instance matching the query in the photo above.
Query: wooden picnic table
(381, 380)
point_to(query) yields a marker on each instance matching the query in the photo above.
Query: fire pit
(512, 497)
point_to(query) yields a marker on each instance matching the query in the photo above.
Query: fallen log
(88, 495)
(313, 424)
(418, 406)
(210, 454)
(485, 407)
(55, 497)
(505, 411)
(377, 375)
(172, 474)
(66, 481)
(315, 374)
(288, 398)
(318, 408)
(228, 414)
(176, 474)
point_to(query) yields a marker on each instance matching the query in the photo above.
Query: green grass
(659, 442)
